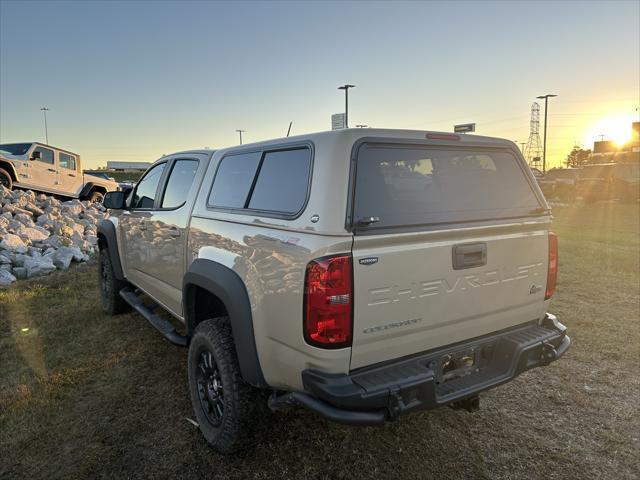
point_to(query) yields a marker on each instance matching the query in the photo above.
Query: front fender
(107, 232)
(10, 167)
(86, 189)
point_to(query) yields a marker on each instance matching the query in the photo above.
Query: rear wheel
(225, 406)
(110, 286)
(5, 179)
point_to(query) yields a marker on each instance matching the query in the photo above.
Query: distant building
(121, 166)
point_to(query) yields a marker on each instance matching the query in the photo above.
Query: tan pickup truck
(360, 273)
(43, 168)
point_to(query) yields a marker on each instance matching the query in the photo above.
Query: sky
(135, 80)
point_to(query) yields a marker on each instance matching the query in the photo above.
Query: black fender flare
(9, 167)
(107, 230)
(225, 284)
(88, 187)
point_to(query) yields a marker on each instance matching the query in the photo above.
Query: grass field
(83, 395)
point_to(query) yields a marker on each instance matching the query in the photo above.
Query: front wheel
(5, 179)
(110, 286)
(225, 406)
(96, 197)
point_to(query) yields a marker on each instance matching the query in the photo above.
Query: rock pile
(39, 233)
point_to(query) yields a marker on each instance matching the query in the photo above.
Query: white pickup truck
(43, 168)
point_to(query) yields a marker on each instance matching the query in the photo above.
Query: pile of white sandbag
(39, 233)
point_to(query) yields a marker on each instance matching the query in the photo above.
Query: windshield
(402, 186)
(15, 148)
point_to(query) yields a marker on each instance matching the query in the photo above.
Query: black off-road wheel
(226, 407)
(96, 197)
(5, 179)
(110, 286)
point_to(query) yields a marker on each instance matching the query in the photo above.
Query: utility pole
(522, 144)
(240, 132)
(46, 131)
(544, 142)
(346, 88)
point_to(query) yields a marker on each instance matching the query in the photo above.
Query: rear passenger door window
(233, 180)
(145, 193)
(179, 183)
(282, 182)
(67, 161)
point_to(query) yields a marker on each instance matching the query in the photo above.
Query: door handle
(52, 170)
(174, 232)
(469, 255)
(71, 174)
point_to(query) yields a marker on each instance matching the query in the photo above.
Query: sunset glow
(616, 128)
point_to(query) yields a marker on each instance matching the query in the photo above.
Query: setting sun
(615, 128)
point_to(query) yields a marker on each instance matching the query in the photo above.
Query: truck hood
(110, 185)
(9, 157)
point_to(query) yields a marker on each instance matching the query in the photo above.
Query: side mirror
(36, 155)
(114, 200)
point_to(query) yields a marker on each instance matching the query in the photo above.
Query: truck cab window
(46, 155)
(145, 193)
(179, 183)
(67, 161)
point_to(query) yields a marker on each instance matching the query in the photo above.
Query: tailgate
(450, 243)
(412, 298)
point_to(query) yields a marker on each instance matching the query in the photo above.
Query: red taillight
(552, 272)
(328, 301)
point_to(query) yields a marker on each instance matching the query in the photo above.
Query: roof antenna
(289, 131)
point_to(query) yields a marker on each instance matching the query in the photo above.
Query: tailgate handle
(469, 255)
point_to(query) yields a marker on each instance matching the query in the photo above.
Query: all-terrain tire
(240, 403)
(110, 286)
(96, 197)
(5, 179)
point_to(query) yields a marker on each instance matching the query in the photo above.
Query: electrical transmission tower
(533, 150)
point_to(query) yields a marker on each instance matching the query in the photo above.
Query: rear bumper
(372, 395)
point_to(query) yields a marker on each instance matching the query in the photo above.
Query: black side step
(163, 326)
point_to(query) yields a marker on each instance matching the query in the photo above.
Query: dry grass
(84, 395)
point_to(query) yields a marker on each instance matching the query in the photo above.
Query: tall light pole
(46, 131)
(346, 88)
(544, 142)
(240, 132)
